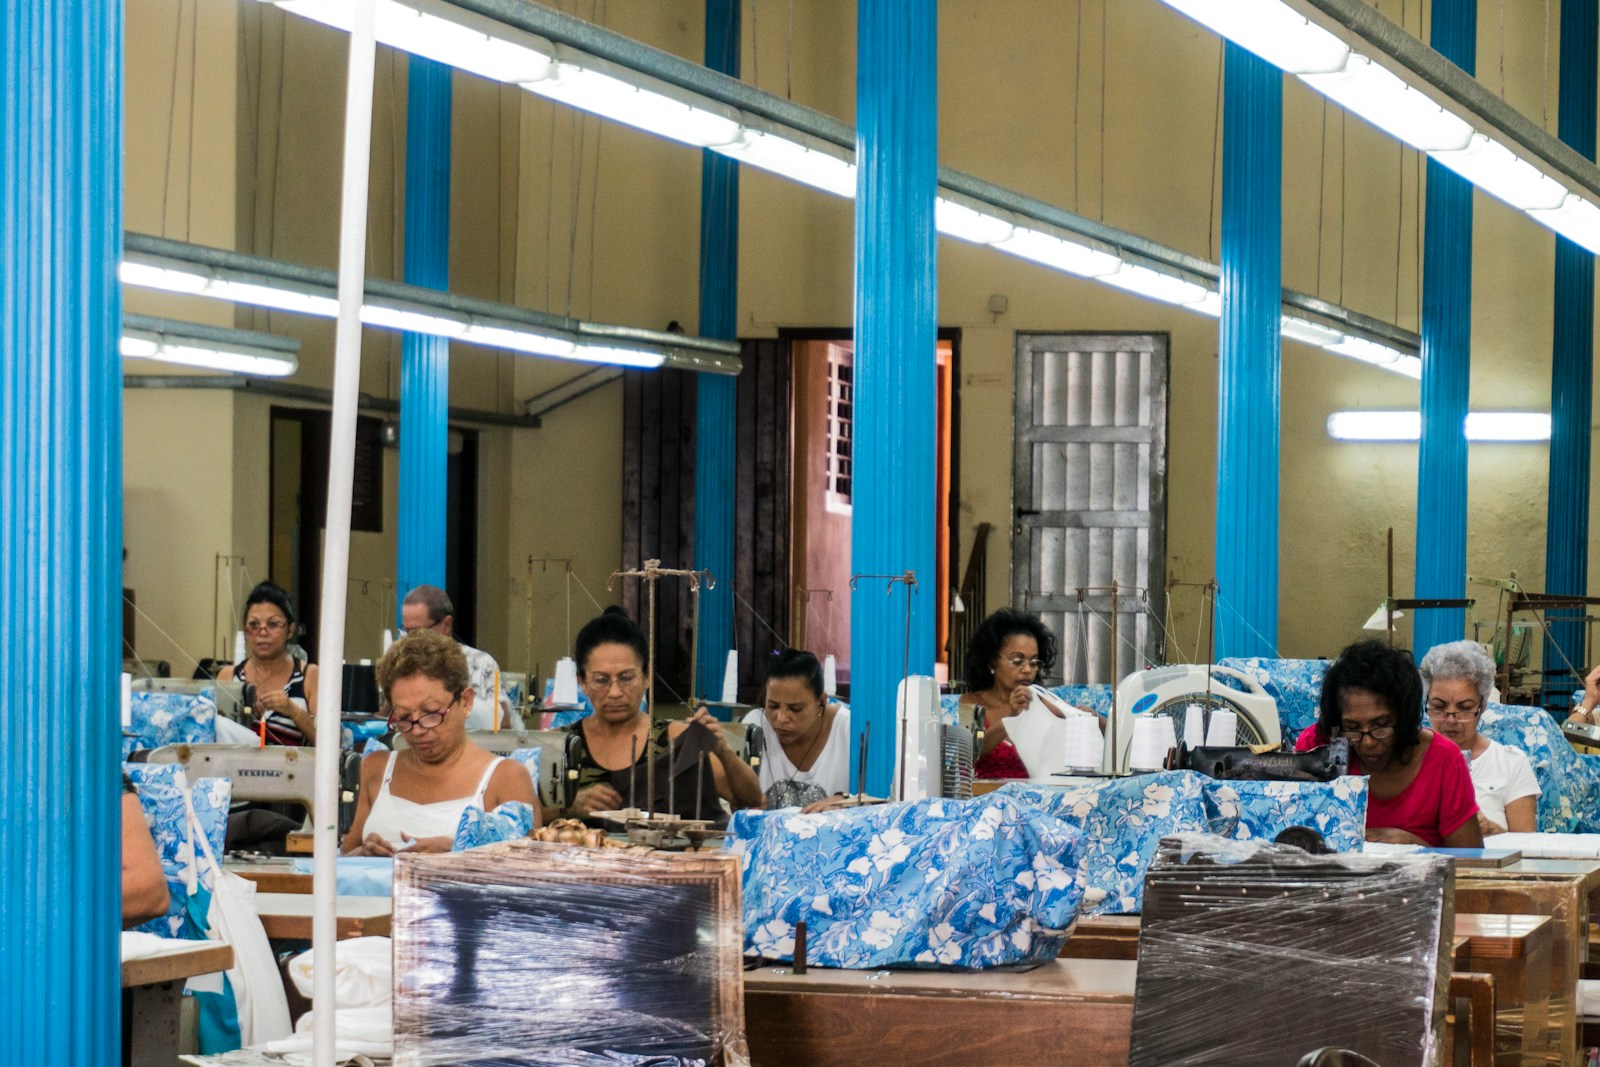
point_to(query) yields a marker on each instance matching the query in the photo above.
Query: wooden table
(152, 995)
(298, 844)
(287, 916)
(270, 875)
(829, 1018)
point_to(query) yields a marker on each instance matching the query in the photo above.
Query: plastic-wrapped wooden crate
(529, 954)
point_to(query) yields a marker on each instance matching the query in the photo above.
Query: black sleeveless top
(631, 780)
(281, 729)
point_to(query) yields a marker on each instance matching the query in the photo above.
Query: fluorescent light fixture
(621, 357)
(1481, 426)
(1157, 285)
(396, 318)
(167, 279)
(520, 340)
(1271, 31)
(1577, 219)
(1052, 250)
(1310, 333)
(211, 347)
(957, 218)
(1494, 168)
(810, 161)
(658, 108)
(1383, 99)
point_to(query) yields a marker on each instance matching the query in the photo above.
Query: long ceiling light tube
(196, 270)
(193, 344)
(1498, 427)
(1353, 55)
(578, 63)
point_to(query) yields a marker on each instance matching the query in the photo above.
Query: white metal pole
(336, 537)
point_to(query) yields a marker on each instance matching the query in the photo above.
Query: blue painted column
(60, 529)
(1249, 355)
(1566, 545)
(425, 360)
(1446, 362)
(894, 519)
(716, 406)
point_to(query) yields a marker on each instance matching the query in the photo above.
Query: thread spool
(730, 679)
(566, 687)
(238, 646)
(1194, 726)
(388, 639)
(1149, 749)
(1085, 747)
(830, 676)
(1223, 730)
(127, 701)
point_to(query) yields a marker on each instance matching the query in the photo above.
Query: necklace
(822, 728)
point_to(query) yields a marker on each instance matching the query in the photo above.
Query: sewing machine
(274, 774)
(557, 754)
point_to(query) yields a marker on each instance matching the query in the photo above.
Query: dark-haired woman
(1420, 789)
(614, 670)
(807, 757)
(286, 687)
(1008, 652)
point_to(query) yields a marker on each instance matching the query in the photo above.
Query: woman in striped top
(286, 687)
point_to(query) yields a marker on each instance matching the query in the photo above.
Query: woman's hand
(1020, 698)
(1390, 835)
(425, 844)
(1488, 827)
(374, 845)
(1584, 712)
(275, 701)
(593, 798)
(838, 800)
(704, 718)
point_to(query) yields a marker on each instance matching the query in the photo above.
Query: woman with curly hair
(1008, 652)
(1419, 787)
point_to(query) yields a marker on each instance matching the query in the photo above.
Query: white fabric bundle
(364, 993)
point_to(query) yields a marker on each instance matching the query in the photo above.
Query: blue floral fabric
(1260, 811)
(1569, 783)
(1096, 698)
(170, 719)
(1121, 820)
(1296, 684)
(952, 883)
(160, 787)
(477, 827)
(357, 876)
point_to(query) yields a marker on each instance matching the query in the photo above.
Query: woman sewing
(413, 799)
(694, 772)
(1008, 652)
(807, 753)
(1419, 790)
(286, 687)
(1459, 677)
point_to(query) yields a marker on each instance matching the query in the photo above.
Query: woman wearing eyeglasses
(1419, 790)
(1459, 676)
(286, 687)
(412, 799)
(613, 668)
(1008, 652)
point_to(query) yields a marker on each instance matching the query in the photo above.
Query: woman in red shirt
(1420, 788)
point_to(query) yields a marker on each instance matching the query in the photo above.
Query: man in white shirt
(427, 607)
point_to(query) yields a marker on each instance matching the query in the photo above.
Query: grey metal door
(1090, 495)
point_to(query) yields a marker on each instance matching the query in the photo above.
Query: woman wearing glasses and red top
(413, 799)
(1008, 652)
(286, 687)
(1419, 790)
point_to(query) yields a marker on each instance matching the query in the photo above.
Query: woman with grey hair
(1459, 677)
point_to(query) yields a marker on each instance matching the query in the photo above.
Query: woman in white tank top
(807, 758)
(413, 799)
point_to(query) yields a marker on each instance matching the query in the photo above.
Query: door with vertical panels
(1090, 496)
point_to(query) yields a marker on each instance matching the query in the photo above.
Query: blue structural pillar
(716, 394)
(894, 516)
(60, 529)
(425, 360)
(1249, 355)
(1566, 544)
(1446, 361)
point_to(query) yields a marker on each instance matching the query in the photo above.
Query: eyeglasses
(1019, 661)
(418, 629)
(1445, 712)
(426, 720)
(1377, 733)
(270, 626)
(602, 683)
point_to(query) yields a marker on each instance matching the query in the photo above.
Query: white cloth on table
(830, 770)
(140, 946)
(363, 991)
(1588, 998)
(1549, 846)
(1499, 776)
(391, 815)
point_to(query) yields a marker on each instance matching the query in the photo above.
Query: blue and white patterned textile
(530, 758)
(1257, 811)
(357, 876)
(950, 708)
(1296, 684)
(1096, 698)
(477, 827)
(936, 883)
(160, 787)
(170, 719)
(1569, 782)
(1121, 820)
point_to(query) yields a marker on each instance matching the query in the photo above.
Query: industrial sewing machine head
(274, 774)
(1245, 763)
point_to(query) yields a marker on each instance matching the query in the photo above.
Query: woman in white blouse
(807, 758)
(1459, 676)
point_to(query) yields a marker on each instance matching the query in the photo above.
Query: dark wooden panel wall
(658, 511)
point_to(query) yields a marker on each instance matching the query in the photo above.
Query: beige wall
(565, 213)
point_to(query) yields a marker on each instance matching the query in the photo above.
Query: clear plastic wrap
(528, 954)
(1254, 953)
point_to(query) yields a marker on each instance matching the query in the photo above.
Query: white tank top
(392, 815)
(831, 768)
